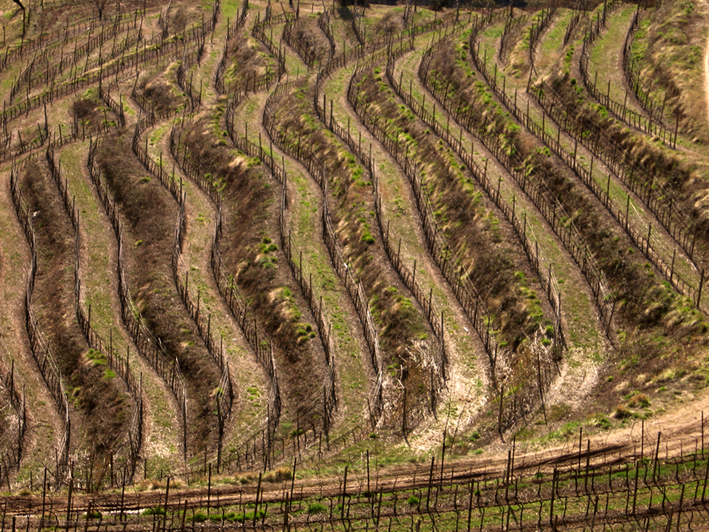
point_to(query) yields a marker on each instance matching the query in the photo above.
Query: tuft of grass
(622, 412)
(317, 508)
(154, 510)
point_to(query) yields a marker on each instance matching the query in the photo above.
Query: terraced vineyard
(408, 267)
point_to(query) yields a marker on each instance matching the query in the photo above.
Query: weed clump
(154, 510)
(317, 508)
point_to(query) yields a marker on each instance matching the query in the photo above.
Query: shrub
(413, 501)
(280, 474)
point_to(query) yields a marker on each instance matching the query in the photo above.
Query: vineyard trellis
(155, 50)
(218, 78)
(225, 395)
(446, 501)
(317, 172)
(539, 26)
(255, 336)
(620, 214)
(578, 14)
(148, 346)
(438, 360)
(306, 284)
(570, 490)
(60, 137)
(13, 54)
(51, 71)
(41, 350)
(465, 292)
(633, 79)
(644, 184)
(115, 362)
(12, 443)
(512, 24)
(337, 256)
(305, 51)
(538, 262)
(621, 111)
(240, 310)
(536, 191)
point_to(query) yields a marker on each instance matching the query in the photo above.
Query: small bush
(279, 475)
(413, 501)
(367, 238)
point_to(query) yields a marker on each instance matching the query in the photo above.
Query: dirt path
(680, 431)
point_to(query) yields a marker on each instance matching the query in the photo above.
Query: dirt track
(612, 449)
